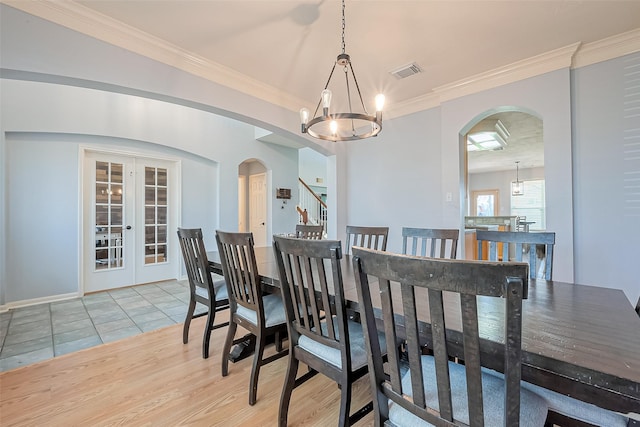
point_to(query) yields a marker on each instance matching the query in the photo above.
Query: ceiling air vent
(406, 71)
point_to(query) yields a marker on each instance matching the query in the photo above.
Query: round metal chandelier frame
(350, 132)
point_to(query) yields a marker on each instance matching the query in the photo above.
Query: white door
(128, 212)
(108, 212)
(258, 208)
(156, 241)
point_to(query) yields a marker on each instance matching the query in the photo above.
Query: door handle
(262, 223)
(128, 227)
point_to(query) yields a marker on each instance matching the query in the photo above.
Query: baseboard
(35, 301)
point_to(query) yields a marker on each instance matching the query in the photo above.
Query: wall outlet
(449, 197)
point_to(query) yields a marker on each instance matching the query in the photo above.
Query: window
(531, 204)
(484, 203)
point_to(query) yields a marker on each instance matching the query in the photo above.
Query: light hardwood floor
(154, 380)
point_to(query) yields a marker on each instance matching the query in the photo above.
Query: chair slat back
(367, 237)
(430, 242)
(393, 286)
(195, 259)
(312, 291)
(308, 231)
(538, 244)
(240, 270)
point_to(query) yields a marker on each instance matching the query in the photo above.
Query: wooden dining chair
(262, 315)
(430, 242)
(539, 245)
(321, 335)
(563, 410)
(308, 231)
(431, 390)
(367, 237)
(203, 288)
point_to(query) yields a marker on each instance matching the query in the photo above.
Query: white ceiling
(288, 47)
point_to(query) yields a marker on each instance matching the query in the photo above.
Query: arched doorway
(490, 170)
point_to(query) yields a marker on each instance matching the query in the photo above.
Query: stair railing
(312, 209)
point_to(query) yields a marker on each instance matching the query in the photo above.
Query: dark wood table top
(582, 341)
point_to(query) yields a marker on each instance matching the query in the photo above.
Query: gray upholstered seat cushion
(573, 408)
(332, 355)
(273, 311)
(220, 287)
(533, 409)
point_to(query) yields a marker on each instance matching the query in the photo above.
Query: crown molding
(413, 105)
(86, 21)
(609, 48)
(530, 67)
(574, 56)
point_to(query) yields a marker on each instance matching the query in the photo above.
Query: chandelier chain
(343, 28)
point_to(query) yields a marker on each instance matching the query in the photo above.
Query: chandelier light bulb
(326, 100)
(379, 102)
(333, 126)
(304, 116)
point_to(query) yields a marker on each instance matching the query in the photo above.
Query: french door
(128, 214)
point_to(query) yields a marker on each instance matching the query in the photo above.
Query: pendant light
(517, 186)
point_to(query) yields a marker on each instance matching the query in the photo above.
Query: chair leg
(345, 404)
(207, 332)
(287, 389)
(187, 321)
(278, 341)
(255, 370)
(231, 333)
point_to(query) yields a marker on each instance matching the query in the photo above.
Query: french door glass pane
(109, 220)
(155, 215)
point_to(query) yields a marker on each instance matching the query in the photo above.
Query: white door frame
(175, 209)
(242, 204)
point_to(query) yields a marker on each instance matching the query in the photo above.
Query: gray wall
(606, 159)
(56, 81)
(402, 177)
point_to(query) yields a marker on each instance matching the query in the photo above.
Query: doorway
(253, 201)
(495, 168)
(129, 210)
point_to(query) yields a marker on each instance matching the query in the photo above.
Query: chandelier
(347, 126)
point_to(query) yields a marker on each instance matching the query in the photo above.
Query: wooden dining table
(581, 341)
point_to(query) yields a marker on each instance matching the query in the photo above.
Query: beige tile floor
(40, 332)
